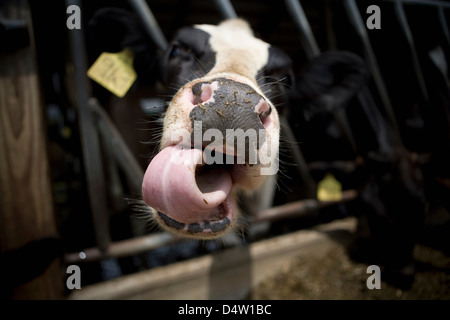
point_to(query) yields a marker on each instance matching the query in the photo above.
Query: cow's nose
(229, 111)
(230, 115)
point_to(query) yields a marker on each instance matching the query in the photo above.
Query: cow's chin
(204, 229)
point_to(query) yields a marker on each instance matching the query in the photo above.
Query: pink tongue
(171, 186)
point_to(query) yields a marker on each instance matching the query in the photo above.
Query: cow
(221, 128)
(389, 178)
(220, 133)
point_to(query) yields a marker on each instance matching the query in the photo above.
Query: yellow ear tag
(329, 189)
(114, 71)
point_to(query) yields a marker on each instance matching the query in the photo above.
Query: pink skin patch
(207, 92)
(172, 186)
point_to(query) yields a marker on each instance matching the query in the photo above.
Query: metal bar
(114, 187)
(118, 148)
(226, 9)
(150, 242)
(150, 24)
(370, 109)
(89, 138)
(124, 248)
(301, 208)
(401, 16)
(376, 121)
(444, 24)
(342, 121)
(331, 36)
(356, 20)
(298, 158)
(312, 51)
(306, 36)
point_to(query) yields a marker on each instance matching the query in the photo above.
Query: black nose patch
(229, 105)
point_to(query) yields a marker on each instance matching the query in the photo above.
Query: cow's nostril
(265, 120)
(202, 92)
(263, 110)
(206, 92)
(262, 107)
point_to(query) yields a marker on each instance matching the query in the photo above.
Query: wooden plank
(226, 275)
(26, 207)
(145, 243)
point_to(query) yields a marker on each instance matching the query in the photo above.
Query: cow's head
(221, 129)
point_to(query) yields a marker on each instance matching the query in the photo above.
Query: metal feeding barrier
(95, 125)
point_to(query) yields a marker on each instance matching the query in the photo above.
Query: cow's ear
(114, 29)
(331, 80)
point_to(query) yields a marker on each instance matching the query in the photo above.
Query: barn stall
(74, 154)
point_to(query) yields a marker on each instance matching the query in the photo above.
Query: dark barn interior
(73, 154)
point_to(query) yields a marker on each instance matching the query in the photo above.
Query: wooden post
(26, 206)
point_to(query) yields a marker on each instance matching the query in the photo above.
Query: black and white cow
(221, 129)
